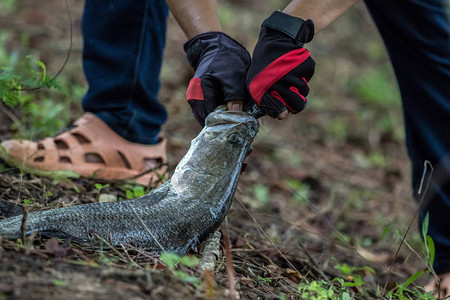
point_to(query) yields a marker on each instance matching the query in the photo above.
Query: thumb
(235, 105)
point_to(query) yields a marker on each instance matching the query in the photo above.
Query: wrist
(296, 28)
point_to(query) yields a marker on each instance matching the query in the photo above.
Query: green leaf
(425, 224)
(385, 231)
(190, 261)
(129, 194)
(431, 248)
(138, 191)
(411, 279)
(261, 193)
(44, 70)
(27, 202)
(58, 282)
(100, 186)
(186, 277)
(170, 259)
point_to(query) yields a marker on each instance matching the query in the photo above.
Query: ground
(329, 188)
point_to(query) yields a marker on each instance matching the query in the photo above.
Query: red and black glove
(220, 65)
(281, 68)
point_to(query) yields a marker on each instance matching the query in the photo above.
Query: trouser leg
(122, 55)
(417, 37)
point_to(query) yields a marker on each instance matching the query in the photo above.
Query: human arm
(195, 16)
(281, 68)
(220, 62)
(322, 12)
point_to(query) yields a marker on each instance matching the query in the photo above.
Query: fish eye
(233, 138)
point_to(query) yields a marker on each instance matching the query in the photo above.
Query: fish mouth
(227, 122)
(221, 116)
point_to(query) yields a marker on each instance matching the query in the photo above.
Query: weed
(302, 190)
(377, 89)
(320, 290)
(172, 260)
(59, 282)
(429, 243)
(135, 192)
(21, 76)
(337, 129)
(352, 275)
(104, 258)
(27, 202)
(263, 280)
(402, 291)
(261, 193)
(99, 188)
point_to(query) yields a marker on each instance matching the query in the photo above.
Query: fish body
(174, 217)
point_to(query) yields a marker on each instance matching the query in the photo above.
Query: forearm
(322, 12)
(195, 16)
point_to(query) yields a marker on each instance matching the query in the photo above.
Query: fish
(175, 217)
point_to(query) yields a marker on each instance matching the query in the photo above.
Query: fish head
(214, 160)
(228, 131)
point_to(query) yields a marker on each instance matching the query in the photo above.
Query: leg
(417, 35)
(123, 49)
(122, 55)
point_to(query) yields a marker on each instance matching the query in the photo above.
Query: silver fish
(176, 216)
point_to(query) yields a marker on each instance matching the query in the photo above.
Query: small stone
(106, 198)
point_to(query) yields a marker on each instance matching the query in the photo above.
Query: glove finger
(213, 93)
(196, 99)
(204, 95)
(306, 69)
(199, 110)
(293, 97)
(272, 104)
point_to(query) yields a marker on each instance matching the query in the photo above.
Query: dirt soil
(314, 191)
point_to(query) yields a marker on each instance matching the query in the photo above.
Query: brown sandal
(91, 148)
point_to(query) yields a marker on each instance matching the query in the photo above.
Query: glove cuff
(298, 29)
(195, 46)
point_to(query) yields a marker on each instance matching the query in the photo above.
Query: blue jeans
(417, 37)
(122, 55)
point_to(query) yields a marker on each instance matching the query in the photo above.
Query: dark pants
(124, 42)
(122, 55)
(417, 37)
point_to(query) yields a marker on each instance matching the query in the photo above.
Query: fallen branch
(211, 252)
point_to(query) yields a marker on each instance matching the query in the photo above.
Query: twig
(421, 259)
(112, 247)
(229, 265)
(146, 228)
(9, 114)
(267, 237)
(23, 224)
(128, 255)
(210, 252)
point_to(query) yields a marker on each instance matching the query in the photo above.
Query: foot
(440, 290)
(91, 149)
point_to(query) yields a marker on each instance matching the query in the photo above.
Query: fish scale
(176, 216)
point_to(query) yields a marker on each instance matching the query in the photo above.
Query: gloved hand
(220, 65)
(281, 68)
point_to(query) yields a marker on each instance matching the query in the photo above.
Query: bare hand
(444, 290)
